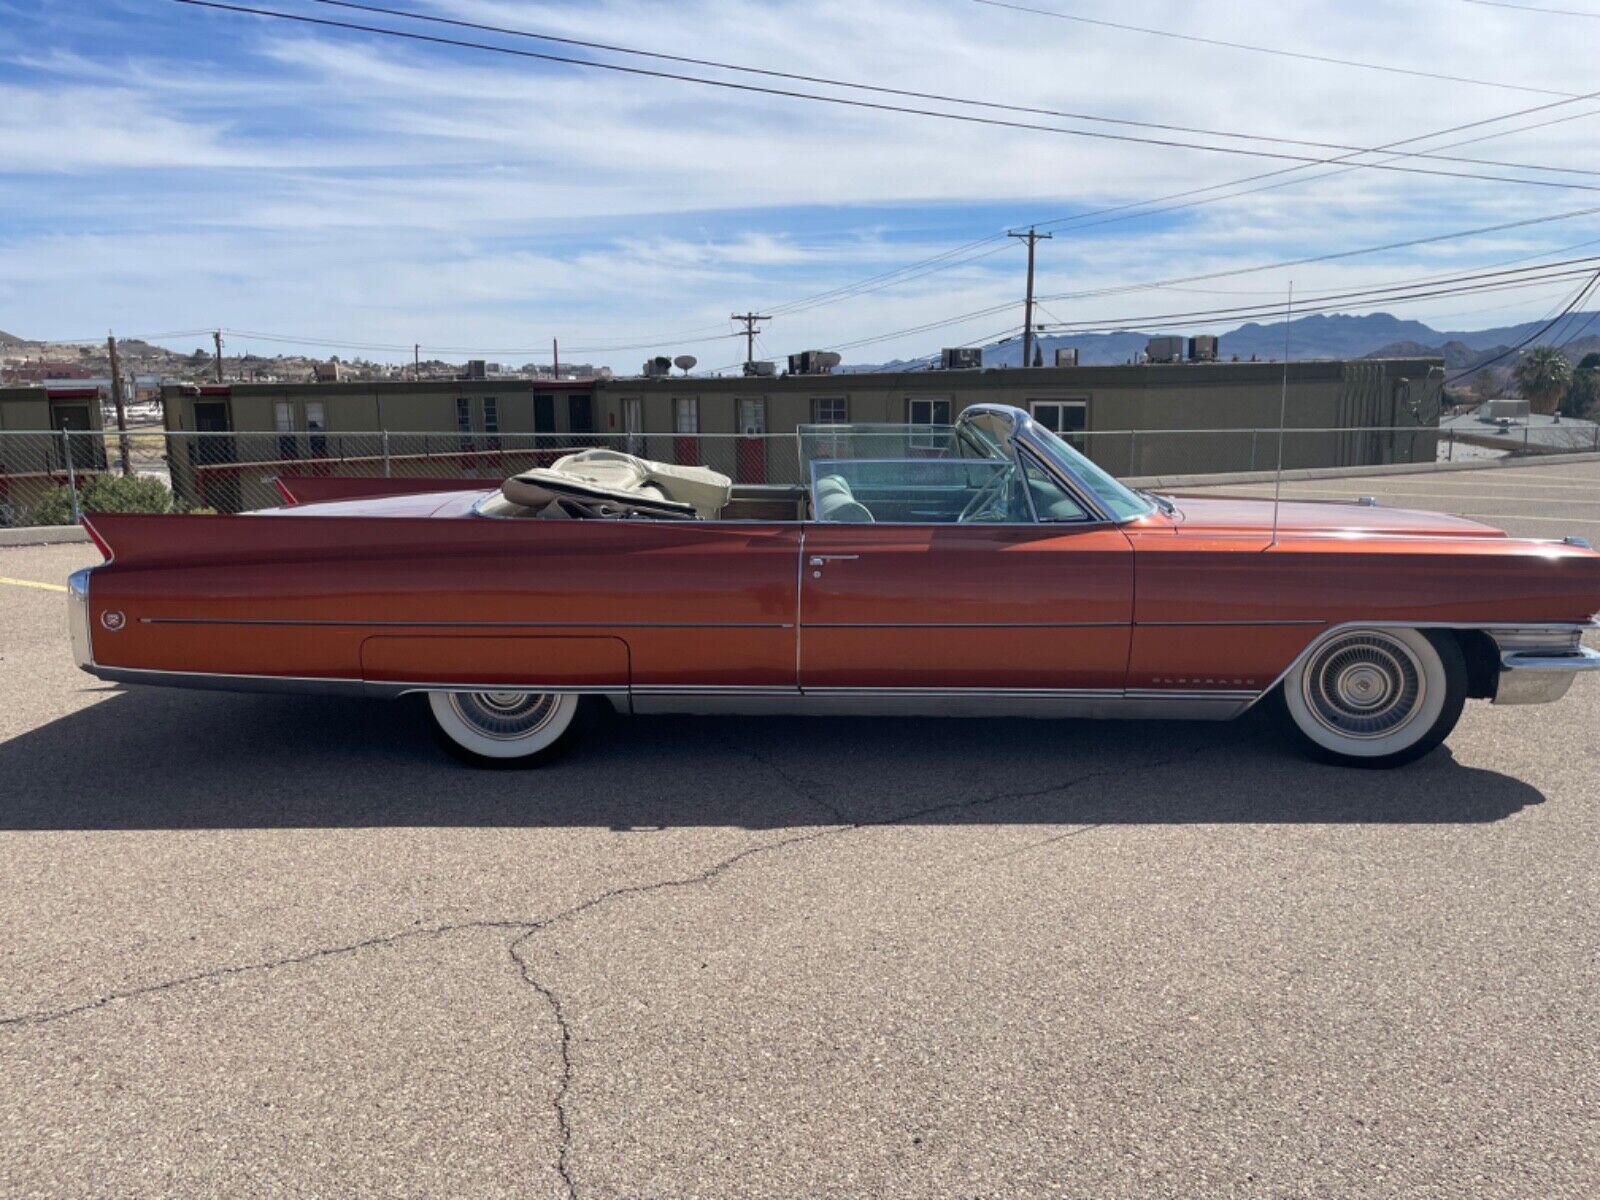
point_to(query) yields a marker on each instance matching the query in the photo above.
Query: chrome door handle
(818, 559)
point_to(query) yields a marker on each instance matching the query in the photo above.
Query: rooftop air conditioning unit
(1067, 357)
(813, 362)
(658, 367)
(1168, 349)
(763, 368)
(961, 358)
(1203, 348)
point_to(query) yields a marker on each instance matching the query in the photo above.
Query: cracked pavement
(266, 946)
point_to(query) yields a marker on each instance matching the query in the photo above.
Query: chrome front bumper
(78, 618)
(1536, 668)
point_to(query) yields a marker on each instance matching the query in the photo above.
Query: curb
(1543, 460)
(43, 535)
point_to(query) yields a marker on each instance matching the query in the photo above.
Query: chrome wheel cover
(505, 716)
(1365, 685)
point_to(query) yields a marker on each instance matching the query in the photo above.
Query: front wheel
(1376, 697)
(505, 729)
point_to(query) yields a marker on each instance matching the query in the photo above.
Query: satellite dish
(685, 362)
(829, 359)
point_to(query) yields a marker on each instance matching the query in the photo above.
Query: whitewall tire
(505, 728)
(1376, 697)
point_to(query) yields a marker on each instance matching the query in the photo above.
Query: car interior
(857, 475)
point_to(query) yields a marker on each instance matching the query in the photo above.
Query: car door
(923, 606)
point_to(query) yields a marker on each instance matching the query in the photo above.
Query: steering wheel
(990, 497)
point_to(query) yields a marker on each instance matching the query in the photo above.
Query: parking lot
(269, 946)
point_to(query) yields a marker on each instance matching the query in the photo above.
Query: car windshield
(1120, 502)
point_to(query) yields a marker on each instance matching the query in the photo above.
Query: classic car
(981, 569)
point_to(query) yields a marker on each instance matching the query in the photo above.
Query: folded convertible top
(608, 483)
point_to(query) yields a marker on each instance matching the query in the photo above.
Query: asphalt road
(274, 946)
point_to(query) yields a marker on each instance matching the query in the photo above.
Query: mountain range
(1336, 336)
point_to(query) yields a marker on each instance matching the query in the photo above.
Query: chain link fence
(49, 477)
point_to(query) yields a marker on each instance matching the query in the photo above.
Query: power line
(1536, 334)
(1532, 8)
(1336, 255)
(612, 48)
(1321, 58)
(876, 106)
(1431, 239)
(1466, 284)
(1127, 211)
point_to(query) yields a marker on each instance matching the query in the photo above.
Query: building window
(463, 415)
(686, 414)
(1068, 418)
(491, 414)
(831, 410)
(752, 417)
(930, 411)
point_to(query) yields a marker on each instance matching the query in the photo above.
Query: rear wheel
(1376, 697)
(505, 729)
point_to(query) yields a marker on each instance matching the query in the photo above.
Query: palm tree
(1543, 375)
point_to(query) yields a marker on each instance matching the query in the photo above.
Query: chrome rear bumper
(1536, 668)
(78, 618)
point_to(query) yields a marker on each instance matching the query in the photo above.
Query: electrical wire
(1533, 8)
(877, 106)
(1535, 335)
(1321, 58)
(878, 89)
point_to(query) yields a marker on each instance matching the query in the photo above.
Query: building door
(74, 418)
(212, 453)
(752, 440)
(686, 424)
(544, 417)
(580, 413)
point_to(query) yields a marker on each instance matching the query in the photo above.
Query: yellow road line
(34, 583)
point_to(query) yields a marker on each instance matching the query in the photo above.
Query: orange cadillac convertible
(981, 569)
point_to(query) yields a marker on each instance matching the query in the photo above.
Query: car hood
(1250, 514)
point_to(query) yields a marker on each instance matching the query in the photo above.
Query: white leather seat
(835, 502)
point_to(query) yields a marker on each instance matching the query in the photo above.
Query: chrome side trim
(78, 618)
(1084, 704)
(469, 624)
(324, 685)
(1490, 627)
(1108, 703)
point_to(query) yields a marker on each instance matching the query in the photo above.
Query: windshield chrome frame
(1024, 433)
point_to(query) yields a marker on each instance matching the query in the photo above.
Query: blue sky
(165, 168)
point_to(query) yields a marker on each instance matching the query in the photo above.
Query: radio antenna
(1283, 410)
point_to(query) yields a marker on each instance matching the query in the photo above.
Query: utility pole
(749, 320)
(217, 338)
(122, 412)
(555, 359)
(416, 361)
(1031, 237)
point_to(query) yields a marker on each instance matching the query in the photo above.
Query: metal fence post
(1133, 452)
(72, 476)
(1254, 435)
(1450, 450)
(386, 468)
